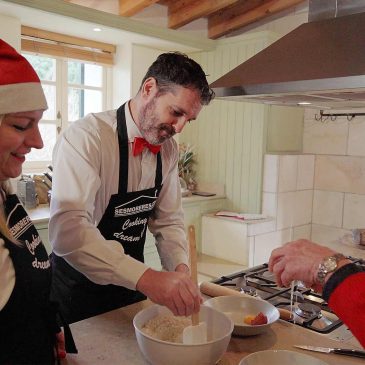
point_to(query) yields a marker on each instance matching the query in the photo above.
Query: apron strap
(158, 178)
(70, 345)
(123, 150)
(123, 154)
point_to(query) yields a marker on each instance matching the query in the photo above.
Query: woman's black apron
(125, 220)
(28, 320)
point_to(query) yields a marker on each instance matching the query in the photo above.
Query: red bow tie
(140, 143)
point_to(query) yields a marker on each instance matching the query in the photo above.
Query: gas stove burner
(308, 310)
(249, 290)
(268, 275)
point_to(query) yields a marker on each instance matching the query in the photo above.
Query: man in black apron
(85, 298)
(171, 94)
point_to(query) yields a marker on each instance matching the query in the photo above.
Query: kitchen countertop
(40, 214)
(109, 339)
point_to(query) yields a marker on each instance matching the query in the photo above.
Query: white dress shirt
(7, 275)
(7, 271)
(85, 175)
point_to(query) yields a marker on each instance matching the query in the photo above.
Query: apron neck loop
(123, 153)
(123, 149)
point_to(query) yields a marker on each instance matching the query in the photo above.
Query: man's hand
(299, 260)
(182, 268)
(175, 290)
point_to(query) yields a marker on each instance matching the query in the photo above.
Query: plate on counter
(280, 357)
(241, 216)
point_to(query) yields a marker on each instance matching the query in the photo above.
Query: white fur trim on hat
(22, 97)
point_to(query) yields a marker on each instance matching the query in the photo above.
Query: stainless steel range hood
(321, 62)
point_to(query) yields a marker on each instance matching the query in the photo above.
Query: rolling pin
(214, 290)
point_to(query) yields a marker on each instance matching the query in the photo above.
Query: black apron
(125, 220)
(28, 320)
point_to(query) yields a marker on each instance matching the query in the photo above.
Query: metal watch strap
(322, 269)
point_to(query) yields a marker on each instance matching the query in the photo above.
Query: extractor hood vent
(321, 64)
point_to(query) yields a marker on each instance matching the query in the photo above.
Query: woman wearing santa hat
(28, 328)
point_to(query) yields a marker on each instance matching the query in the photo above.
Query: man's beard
(151, 127)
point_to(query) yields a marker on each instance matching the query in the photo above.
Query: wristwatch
(329, 264)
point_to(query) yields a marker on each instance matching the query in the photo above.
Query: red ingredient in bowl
(259, 319)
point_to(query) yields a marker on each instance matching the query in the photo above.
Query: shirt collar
(132, 128)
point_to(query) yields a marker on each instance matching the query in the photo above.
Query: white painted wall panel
(230, 137)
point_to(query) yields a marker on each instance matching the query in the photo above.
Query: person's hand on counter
(300, 260)
(175, 290)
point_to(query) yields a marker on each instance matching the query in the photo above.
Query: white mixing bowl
(237, 307)
(157, 352)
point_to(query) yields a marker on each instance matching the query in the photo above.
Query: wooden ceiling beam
(228, 20)
(132, 7)
(181, 12)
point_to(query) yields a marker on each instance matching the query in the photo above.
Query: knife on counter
(329, 350)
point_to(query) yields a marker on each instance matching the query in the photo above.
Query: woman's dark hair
(175, 68)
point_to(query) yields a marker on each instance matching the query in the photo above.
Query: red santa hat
(20, 87)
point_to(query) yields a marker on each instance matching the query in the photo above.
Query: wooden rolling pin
(214, 290)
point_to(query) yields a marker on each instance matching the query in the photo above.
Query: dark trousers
(80, 298)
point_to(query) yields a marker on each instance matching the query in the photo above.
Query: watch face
(330, 264)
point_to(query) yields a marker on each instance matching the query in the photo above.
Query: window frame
(61, 100)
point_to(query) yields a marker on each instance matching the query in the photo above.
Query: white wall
(339, 184)
(122, 77)
(10, 30)
(142, 57)
(229, 138)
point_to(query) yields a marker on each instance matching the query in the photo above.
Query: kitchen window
(76, 76)
(73, 89)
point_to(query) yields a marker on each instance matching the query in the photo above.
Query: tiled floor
(210, 268)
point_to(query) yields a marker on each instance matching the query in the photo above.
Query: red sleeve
(348, 302)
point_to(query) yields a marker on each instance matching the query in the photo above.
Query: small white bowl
(280, 357)
(237, 308)
(157, 352)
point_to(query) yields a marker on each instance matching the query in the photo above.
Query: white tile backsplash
(303, 207)
(328, 138)
(265, 243)
(288, 165)
(305, 175)
(354, 211)
(286, 209)
(340, 173)
(269, 204)
(325, 234)
(302, 232)
(320, 194)
(271, 170)
(290, 206)
(260, 227)
(328, 208)
(294, 208)
(356, 145)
